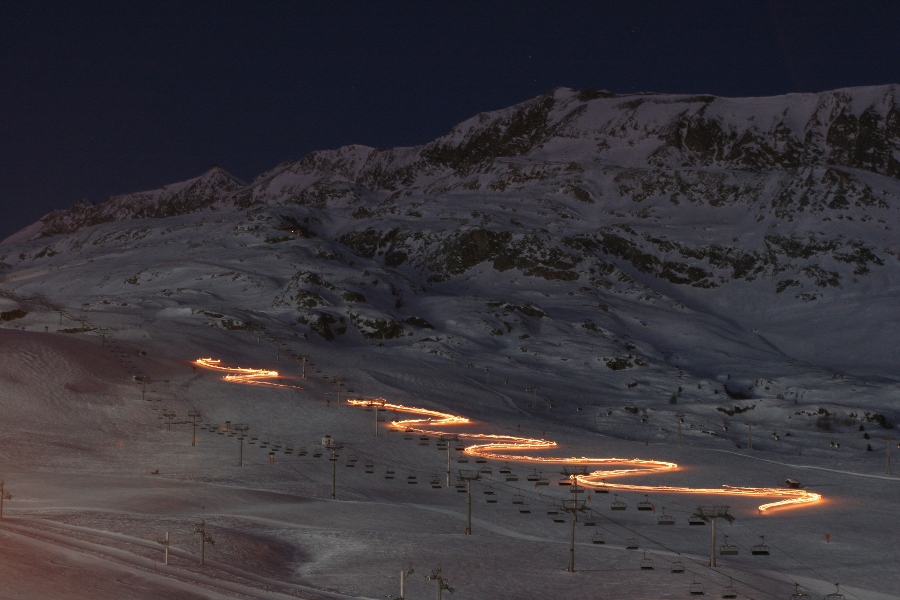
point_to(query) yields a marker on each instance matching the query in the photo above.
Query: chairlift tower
(443, 584)
(403, 575)
(376, 404)
(711, 514)
(194, 416)
(205, 538)
(168, 415)
(241, 429)
(449, 438)
(330, 444)
(469, 475)
(573, 506)
(4, 495)
(164, 541)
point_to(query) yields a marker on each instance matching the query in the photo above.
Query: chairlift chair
(533, 476)
(617, 504)
(760, 549)
(488, 491)
(559, 518)
(436, 483)
(646, 563)
(460, 447)
(798, 593)
(696, 520)
(491, 499)
(590, 522)
(411, 479)
(408, 436)
(565, 481)
(317, 452)
(505, 470)
(665, 519)
(485, 471)
(696, 588)
(463, 459)
(728, 591)
(370, 467)
(678, 567)
(836, 595)
(480, 459)
(631, 544)
(518, 499)
(461, 487)
(542, 481)
(389, 474)
(645, 504)
(598, 538)
(423, 442)
(525, 509)
(512, 477)
(552, 511)
(301, 451)
(727, 549)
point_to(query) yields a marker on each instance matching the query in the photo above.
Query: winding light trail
(244, 375)
(494, 446)
(498, 443)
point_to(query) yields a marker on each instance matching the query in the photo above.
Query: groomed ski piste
(98, 458)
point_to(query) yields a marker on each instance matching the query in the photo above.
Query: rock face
(729, 206)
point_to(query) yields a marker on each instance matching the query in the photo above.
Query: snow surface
(80, 445)
(603, 364)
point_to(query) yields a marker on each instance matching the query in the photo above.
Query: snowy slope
(583, 265)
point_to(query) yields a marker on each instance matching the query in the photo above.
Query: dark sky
(103, 98)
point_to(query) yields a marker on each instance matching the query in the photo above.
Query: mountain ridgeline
(578, 193)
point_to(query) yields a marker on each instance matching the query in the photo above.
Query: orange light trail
(495, 444)
(498, 443)
(244, 375)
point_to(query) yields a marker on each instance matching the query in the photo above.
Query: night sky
(110, 98)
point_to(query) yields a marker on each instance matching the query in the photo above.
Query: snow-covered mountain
(751, 210)
(606, 270)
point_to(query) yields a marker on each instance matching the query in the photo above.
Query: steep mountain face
(582, 211)
(183, 198)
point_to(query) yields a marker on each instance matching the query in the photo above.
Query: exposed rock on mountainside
(685, 203)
